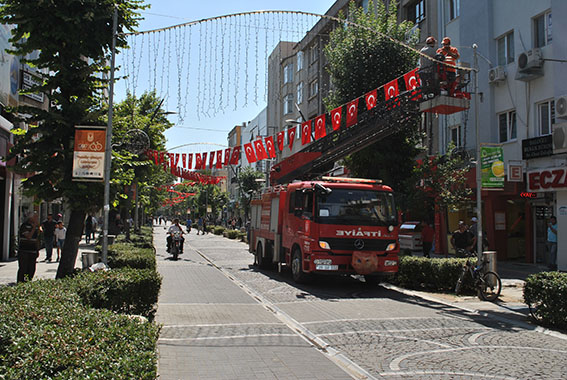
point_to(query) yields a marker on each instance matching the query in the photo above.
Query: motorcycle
(176, 244)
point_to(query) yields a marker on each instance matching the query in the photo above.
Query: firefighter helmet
(430, 40)
(446, 41)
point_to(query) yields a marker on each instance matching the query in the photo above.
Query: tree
(248, 186)
(73, 38)
(361, 60)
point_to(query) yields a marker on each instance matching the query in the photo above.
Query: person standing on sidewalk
(60, 233)
(28, 249)
(88, 228)
(427, 234)
(552, 243)
(48, 229)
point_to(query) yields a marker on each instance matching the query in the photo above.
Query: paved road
(225, 319)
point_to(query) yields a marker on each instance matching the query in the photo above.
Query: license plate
(326, 267)
(389, 263)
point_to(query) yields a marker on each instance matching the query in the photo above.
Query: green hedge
(546, 292)
(125, 290)
(440, 274)
(127, 255)
(219, 230)
(47, 333)
(232, 234)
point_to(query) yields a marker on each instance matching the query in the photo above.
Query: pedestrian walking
(200, 226)
(427, 234)
(189, 222)
(48, 229)
(60, 233)
(88, 228)
(28, 249)
(552, 243)
(461, 239)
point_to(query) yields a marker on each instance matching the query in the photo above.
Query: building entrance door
(541, 216)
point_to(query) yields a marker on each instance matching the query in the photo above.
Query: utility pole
(478, 158)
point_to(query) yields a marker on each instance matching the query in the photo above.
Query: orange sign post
(88, 157)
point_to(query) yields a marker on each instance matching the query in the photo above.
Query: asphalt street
(225, 319)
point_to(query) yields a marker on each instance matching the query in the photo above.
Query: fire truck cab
(335, 226)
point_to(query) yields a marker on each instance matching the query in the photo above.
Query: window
(453, 9)
(542, 30)
(505, 46)
(455, 133)
(288, 73)
(416, 11)
(299, 94)
(313, 88)
(288, 104)
(507, 129)
(299, 60)
(314, 54)
(546, 116)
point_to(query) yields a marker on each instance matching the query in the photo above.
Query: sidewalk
(44, 270)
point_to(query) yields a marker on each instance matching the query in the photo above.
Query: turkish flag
(320, 130)
(306, 132)
(352, 113)
(161, 157)
(235, 155)
(260, 150)
(412, 80)
(227, 156)
(184, 160)
(156, 157)
(211, 160)
(189, 160)
(291, 136)
(204, 162)
(371, 99)
(171, 160)
(177, 155)
(391, 89)
(219, 159)
(270, 146)
(249, 153)
(336, 116)
(280, 139)
(198, 161)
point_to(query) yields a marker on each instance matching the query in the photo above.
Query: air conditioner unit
(560, 138)
(561, 107)
(530, 60)
(496, 74)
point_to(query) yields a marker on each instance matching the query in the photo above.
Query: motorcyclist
(175, 227)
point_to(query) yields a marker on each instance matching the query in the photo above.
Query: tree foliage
(248, 186)
(361, 60)
(73, 39)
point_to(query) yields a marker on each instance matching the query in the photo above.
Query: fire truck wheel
(297, 267)
(262, 262)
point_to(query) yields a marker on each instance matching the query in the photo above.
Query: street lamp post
(478, 160)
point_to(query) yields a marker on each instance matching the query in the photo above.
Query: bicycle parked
(488, 284)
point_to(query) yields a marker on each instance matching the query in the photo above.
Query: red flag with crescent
(235, 155)
(371, 99)
(204, 162)
(211, 159)
(177, 155)
(270, 146)
(320, 130)
(391, 89)
(184, 160)
(260, 149)
(336, 116)
(189, 160)
(156, 157)
(198, 161)
(219, 159)
(171, 160)
(227, 156)
(412, 79)
(280, 139)
(161, 157)
(306, 132)
(291, 135)
(249, 151)
(352, 113)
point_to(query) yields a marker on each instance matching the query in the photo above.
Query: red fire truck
(334, 225)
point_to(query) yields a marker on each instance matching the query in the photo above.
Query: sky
(196, 128)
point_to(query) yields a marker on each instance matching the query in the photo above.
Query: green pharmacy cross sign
(492, 167)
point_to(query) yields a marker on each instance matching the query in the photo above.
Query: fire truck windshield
(356, 207)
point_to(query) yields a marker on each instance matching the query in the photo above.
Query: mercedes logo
(359, 244)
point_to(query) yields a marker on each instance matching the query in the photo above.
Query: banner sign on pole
(88, 156)
(492, 167)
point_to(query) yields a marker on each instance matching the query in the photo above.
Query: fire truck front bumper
(373, 262)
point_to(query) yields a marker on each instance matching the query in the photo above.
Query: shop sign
(492, 167)
(515, 172)
(537, 147)
(549, 179)
(88, 156)
(28, 81)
